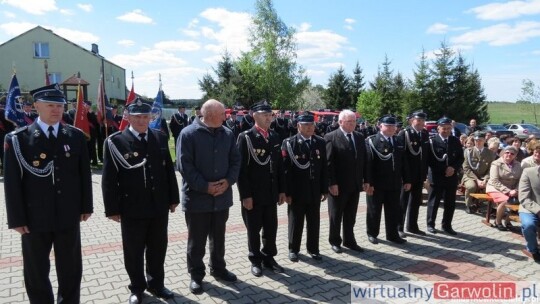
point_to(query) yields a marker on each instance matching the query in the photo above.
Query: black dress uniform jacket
(413, 141)
(125, 192)
(262, 183)
(388, 174)
(437, 149)
(305, 186)
(345, 169)
(54, 202)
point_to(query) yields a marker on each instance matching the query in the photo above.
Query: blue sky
(183, 40)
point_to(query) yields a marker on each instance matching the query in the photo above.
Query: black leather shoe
(536, 257)
(417, 232)
(163, 293)
(337, 249)
(315, 256)
(224, 276)
(135, 298)
(195, 287)
(273, 265)
(397, 240)
(355, 247)
(293, 256)
(449, 230)
(432, 230)
(373, 240)
(256, 270)
(402, 234)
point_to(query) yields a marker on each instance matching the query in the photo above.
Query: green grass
(505, 112)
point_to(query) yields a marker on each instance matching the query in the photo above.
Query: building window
(41, 49)
(55, 78)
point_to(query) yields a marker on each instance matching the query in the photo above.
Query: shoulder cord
(118, 158)
(252, 152)
(293, 159)
(408, 140)
(468, 154)
(381, 156)
(440, 159)
(48, 170)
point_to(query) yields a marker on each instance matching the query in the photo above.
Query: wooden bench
(484, 197)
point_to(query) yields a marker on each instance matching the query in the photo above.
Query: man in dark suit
(415, 139)
(48, 192)
(281, 125)
(233, 124)
(139, 189)
(247, 122)
(179, 120)
(29, 116)
(445, 158)
(455, 131)
(387, 173)
(346, 154)
(304, 160)
(261, 185)
(6, 126)
(94, 133)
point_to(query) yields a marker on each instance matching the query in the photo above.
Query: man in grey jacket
(209, 162)
(529, 208)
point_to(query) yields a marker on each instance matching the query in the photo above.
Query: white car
(523, 131)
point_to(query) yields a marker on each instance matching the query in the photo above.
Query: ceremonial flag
(13, 110)
(157, 110)
(101, 102)
(131, 97)
(81, 117)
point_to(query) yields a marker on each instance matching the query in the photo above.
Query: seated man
(529, 209)
(476, 169)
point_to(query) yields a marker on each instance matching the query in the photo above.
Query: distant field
(502, 112)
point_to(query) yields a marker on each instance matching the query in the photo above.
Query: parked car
(431, 127)
(523, 131)
(497, 130)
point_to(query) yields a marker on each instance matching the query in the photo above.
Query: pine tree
(338, 94)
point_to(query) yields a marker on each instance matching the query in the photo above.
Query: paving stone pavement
(478, 253)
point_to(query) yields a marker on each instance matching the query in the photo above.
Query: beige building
(29, 51)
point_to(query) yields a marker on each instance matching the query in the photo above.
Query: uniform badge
(164, 163)
(258, 151)
(67, 154)
(43, 156)
(385, 150)
(296, 156)
(126, 156)
(414, 143)
(35, 163)
(262, 151)
(135, 154)
(64, 131)
(36, 133)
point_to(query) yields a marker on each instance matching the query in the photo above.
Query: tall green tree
(369, 105)
(357, 83)
(338, 94)
(441, 83)
(421, 94)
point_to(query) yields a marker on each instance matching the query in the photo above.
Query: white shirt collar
(136, 134)
(45, 127)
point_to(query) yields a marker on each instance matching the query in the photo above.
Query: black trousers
(342, 208)
(410, 206)
(436, 192)
(312, 213)
(261, 217)
(202, 226)
(92, 152)
(390, 200)
(36, 248)
(140, 236)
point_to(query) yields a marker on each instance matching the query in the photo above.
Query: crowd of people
(273, 161)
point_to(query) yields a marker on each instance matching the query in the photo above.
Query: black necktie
(446, 141)
(143, 138)
(52, 138)
(390, 142)
(308, 143)
(351, 143)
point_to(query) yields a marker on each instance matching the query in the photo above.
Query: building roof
(74, 80)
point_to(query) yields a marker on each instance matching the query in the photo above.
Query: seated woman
(503, 181)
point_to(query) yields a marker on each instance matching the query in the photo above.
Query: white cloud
(315, 73)
(191, 33)
(34, 7)
(324, 44)
(350, 21)
(126, 42)
(213, 60)
(135, 16)
(500, 34)
(349, 24)
(85, 7)
(438, 28)
(76, 36)
(304, 27)
(348, 27)
(331, 65)
(16, 28)
(9, 15)
(193, 23)
(178, 45)
(233, 31)
(153, 57)
(66, 12)
(506, 10)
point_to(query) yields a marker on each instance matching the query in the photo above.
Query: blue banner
(157, 110)
(13, 110)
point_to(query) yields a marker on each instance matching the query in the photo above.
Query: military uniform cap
(88, 102)
(388, 120)
(50, 93)
(139, 107)
(444, 121)
(478, 135)
(306, 118)
(418, 114)
(261, 107)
